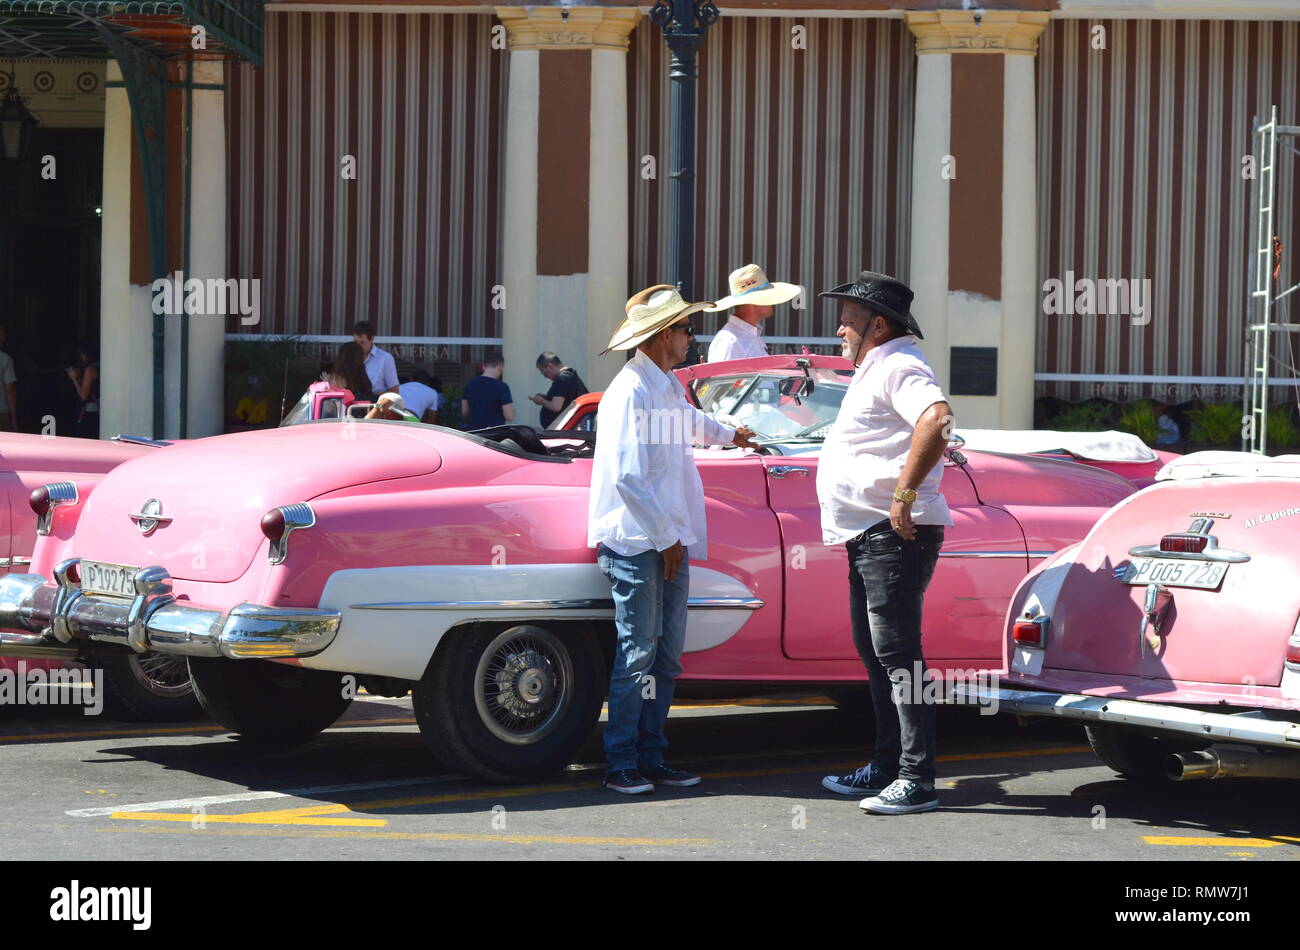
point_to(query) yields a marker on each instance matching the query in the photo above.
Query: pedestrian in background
(84, 374)
(645, 519)
(349, 372)
(486, 399)
(754, 298)
(878, 487)
(566, 386)
(8, 387)
(379, 363)
(419, 397)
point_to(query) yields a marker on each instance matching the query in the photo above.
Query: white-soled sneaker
(867, 780)
(903, 797)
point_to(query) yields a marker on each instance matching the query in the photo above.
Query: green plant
(1084, 417)
(1281, 431)
(1140, 419)
(1215, 424)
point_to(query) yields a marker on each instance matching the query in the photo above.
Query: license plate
(115, 580)
(1176, 572)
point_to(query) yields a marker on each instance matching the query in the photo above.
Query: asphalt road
(82, 788)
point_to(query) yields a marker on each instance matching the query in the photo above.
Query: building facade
(1066, 186)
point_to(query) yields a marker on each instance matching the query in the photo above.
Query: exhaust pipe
(1227, 761)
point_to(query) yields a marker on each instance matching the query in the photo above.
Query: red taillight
(1184, 543)
(273, 524)
(40, 500)
(74, 573)
(1293, 652)
(1030, 631)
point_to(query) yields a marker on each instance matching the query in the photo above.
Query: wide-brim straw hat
(648, 312)
(750, 286)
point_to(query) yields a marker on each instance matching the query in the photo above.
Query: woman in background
(349, 372)
(84, 373)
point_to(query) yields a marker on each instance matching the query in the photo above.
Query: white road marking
(255, 796)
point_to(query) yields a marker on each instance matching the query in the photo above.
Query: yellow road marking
(1218, 842)
(253, 818)
(316, 814)
(428, 836)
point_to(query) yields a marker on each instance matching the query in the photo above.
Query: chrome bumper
(1222, 727)
(155, 620)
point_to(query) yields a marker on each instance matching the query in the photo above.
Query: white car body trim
(397, 635)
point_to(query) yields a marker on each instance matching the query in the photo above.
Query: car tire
(512, 704)
(148, 687)
(269, 702)
(1136, 754)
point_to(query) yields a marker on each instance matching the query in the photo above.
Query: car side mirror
(797, 386)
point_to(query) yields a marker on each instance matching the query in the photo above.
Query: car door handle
(781, 471)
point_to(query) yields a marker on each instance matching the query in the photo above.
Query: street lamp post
(683, 23)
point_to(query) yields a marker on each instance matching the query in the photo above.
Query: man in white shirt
(878, 485)
(646, 511)
(754, 298)
(419, 397)
(380, 365)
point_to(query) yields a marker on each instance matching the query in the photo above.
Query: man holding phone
(646, 519)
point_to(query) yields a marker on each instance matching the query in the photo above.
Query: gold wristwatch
(905, 495)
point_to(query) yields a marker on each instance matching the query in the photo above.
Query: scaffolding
(1264, 269)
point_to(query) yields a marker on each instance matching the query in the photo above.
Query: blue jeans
(650, 614)
(887, 581)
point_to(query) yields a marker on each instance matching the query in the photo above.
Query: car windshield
(300, 412)
(756, 400)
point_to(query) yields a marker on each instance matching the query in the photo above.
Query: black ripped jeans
(887, 581)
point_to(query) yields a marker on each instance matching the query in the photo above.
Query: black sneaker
(629, 782)
(867, 780)
(676, 778)
(903, 797)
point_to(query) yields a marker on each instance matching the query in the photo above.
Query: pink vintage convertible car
(393, 555)
(1172, 630)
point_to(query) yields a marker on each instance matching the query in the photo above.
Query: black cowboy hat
(881, 294)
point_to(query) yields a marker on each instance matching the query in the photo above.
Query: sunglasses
(690, 331)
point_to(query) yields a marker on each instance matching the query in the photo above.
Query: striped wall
(1140, 150)
(804, 156)
(412, 243)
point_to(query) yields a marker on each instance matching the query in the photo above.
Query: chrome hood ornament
(150, 517)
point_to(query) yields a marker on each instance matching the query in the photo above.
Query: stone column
(974, 217)
(126, 322)
(565, 245)
(207, 343)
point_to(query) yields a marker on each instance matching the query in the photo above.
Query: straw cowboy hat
(749, 285)
(648, 312)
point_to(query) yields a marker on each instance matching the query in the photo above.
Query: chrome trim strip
(995, 553)
(585, 603)
(1222, 555)
(138, 440)
(1130, 712)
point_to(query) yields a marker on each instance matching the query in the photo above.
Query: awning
(66, 29)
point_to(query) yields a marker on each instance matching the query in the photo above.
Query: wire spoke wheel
(161, 675)
(523, 685)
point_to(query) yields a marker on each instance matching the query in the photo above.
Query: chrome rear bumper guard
(1222, 727)
(155, 620)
